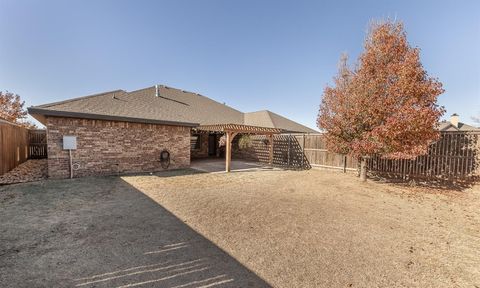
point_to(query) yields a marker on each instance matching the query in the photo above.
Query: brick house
(125, 132)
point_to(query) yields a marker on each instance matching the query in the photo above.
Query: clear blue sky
(253, 55)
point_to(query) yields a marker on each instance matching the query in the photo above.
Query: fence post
(288, 149)
(303, 150)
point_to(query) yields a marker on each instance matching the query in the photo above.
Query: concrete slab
(215, 165)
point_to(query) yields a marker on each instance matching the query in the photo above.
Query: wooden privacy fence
(456, 155)
(13, 146)
(17, 144)
(316, 151)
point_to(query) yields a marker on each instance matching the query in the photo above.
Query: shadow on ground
(102, 232)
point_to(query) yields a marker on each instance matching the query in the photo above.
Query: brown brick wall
(113, 147)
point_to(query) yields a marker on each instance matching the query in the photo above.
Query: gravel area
(31, 170)
(243, 229)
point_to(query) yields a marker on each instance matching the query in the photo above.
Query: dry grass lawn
(326, 229)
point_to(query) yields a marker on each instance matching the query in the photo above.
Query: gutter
(47, 112)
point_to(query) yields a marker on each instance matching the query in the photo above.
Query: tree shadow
(106, 233)
(177, 172)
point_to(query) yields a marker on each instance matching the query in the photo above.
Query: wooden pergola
(231, 130)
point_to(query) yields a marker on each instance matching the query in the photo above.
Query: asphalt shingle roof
(171, 106)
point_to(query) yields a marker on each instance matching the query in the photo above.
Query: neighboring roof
(446, 126)
(269, 119)
(171, 106)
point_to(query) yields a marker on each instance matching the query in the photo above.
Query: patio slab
(216, 165)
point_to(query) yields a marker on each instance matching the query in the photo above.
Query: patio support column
(228, 150)
(228, 155)
(270, 154)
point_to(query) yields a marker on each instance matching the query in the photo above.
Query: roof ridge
(146, 88)
(275, 116)
(187, 92)
(269, 113)
(201, 95)
(178, 89)
(261, 111)
(77, 98)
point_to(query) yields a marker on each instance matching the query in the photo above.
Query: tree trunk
(363, 169)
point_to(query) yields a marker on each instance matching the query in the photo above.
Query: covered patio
(231, 130)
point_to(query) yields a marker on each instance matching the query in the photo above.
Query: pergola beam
(239, 128)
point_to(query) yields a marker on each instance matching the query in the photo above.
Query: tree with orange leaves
(11, 109)
(387, 105)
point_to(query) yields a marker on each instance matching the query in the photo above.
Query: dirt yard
(245, 229)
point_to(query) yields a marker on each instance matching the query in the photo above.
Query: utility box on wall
(69, 142)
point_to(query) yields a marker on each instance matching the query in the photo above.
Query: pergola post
(270, 154)
(228, 150)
